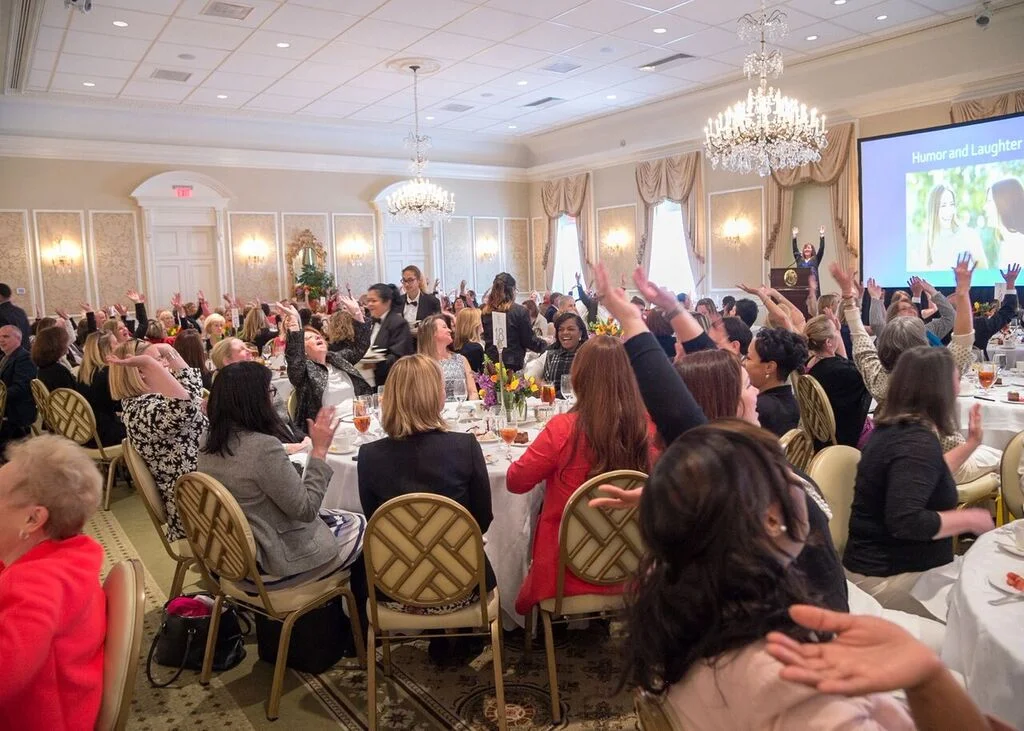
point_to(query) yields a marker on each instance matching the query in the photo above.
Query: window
(670, 260)
(567, 256)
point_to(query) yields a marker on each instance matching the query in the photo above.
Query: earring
(782, 528)
(22, 535)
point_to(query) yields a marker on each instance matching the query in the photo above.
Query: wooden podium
(793, 283)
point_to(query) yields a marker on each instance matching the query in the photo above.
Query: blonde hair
(340, 328)
(468, 327)
(221, 350)
(254, 323)
(412, 401)
(426, 337)
(817, 331)
(60, 476)
(94, 356)
(112, 325)
(126, 381)
(212, 319)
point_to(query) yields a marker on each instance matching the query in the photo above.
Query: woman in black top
(904, 512)
(839, 377)
(518, 326)
(774, 354)
(557, 360)
(48, 347)
(94, 384)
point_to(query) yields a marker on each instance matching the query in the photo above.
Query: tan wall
(63, 185)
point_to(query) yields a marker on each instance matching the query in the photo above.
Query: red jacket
(547, 459)
(53, 620)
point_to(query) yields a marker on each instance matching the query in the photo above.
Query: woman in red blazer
(607, 429)
(53, 614)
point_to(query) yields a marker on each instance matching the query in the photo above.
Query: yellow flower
(481, 393)
(514, 384)
(534, 388)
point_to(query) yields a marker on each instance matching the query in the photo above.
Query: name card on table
(499, 328)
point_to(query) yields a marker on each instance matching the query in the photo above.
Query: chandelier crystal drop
(766, 131)
(419, 202)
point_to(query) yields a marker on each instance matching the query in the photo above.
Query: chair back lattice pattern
(834, 470)
(3, 399)
(71, 416)
(599, 546)
(41, 395)
(143, 480)
(424, 550)
(216, 528)
(816, 415)
(1011, 487)
(798, 446)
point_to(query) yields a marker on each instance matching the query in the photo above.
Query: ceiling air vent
(561, 67)
(228, 11)
(168, 75)
(456, 108)
(663, 62)
(545, 102)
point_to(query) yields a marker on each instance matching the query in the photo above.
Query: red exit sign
(183, 191)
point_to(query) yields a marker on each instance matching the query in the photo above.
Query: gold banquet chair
(292, 407)
(1011, 492)
(816, 415)
(798, 446)
(125, 588)
(598, 546)
(145, 485)
(834, 469)
(41, 395)
(223, 545)
(71, 416)
(3, 401)
(653, 713)
(426, 551)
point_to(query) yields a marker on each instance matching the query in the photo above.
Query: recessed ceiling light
(88, 83)
(429, 119)
(881, 17)
(811, 38)
(282, 44)
(610, 97)
(839, 2)
(222, 96)
(511, 126)
(607, 49)
(647, 68)
(186, 57)
(661, 30)
(120, 24)
(522, 83)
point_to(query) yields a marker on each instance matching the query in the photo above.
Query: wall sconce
(354, 250)
(487, 248)
(254, 251)
(734, 229)
(63, 255)
(616, 240)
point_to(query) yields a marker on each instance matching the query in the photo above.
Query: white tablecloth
(986, 643)
(509, 539)
(1001, 419)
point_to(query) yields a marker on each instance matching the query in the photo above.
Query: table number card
(499, 325)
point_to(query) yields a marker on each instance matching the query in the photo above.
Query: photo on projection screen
(927, 196)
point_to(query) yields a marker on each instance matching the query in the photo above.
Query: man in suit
(11, 314)
(415, 304)
(16, 373)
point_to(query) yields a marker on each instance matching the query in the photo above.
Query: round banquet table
(986, 643)
(1001, 419)
(509, 539)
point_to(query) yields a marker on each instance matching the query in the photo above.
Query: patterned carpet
(417, 697)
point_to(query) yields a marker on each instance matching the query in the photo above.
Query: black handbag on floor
(181, 642)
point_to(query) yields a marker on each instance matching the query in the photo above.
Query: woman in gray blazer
(294, 535)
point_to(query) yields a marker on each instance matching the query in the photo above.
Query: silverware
(1006, 599)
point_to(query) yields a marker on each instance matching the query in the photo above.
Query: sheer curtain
(670, 260)
(567, 256)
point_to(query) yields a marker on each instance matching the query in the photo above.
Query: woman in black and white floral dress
(161, 398)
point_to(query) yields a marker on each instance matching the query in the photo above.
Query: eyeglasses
(408, 280)
(273, 392)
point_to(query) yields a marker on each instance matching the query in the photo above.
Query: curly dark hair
(712, 580)
(561, 320)
(784, 348)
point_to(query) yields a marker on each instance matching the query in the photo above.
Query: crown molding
(181, 155)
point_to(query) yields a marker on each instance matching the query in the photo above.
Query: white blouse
(339, 392)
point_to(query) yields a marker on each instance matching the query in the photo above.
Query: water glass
(566, 387)
(459, 390)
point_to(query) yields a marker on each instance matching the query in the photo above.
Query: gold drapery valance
(569, 196)
(991, 106)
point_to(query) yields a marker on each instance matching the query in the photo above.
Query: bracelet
(674, 312)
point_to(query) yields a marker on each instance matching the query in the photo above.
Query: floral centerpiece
(608, 326)
(513, 386)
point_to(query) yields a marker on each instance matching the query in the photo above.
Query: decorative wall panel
(15, 261)
(458, 253)
(63, 288)
(486, 230)
(539, 228)
(292, 224)
(616, 241)
(517, 251)
(354, 232)
(115, 256)
(255, 232)
(734, 260)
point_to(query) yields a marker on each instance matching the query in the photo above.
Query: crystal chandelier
(767, 131)
(419, 202)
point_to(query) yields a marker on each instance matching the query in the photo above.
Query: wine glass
(361, 416)
(459, 392)
(507, 430)
(987, 375)
(566, 387)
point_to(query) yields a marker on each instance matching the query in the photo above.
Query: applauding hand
(1010, 275)
(874, 291)
(844, 279)
(321, 430)
(659, 296)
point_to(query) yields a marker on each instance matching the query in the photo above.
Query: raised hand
(963, 271)
(86, 307)
(916, 285)
(200, 297)
(176, 301)
(614, 298)
(63, 314)
(321, 430)
(618, 499)
(796, 232)
(348, 289)
(843, 279)
(1010, 275)
(120, 309)
(821, 230)
(975, 431)
(874, 291)
(651, 292)
(747, 288)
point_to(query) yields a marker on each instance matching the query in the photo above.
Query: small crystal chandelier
(767, 131)
(419, 202)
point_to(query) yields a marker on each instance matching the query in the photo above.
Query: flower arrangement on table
(609, 326)
(514, 386)
(985, 309)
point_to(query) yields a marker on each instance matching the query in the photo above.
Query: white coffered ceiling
(327, 60)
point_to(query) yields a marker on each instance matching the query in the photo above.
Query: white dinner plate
(998, 580)
(335, 450)
(1011, 548)
(1015, 403)
(487, 438)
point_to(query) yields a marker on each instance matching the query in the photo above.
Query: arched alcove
(397, 242)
